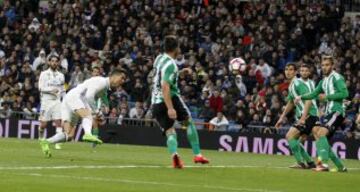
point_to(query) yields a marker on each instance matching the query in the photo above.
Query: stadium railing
(200, 124)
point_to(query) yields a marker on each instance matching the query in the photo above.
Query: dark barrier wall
(222, 141)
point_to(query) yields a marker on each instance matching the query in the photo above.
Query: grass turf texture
(142, 168)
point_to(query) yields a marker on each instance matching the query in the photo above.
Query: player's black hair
(328, 57)
(305, 65)
(52, 55)
(170, 43)
(118, 72)
(291, 64)
(95, 67)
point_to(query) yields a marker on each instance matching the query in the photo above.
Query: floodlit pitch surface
(78, 167)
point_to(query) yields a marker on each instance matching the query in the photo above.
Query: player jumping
(168, 105)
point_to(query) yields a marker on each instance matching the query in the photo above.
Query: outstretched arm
(313, 94)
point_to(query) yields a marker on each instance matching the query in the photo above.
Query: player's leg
(166, 125)
(56, 117)
(171, 141)
(42, 128)
(68, 120)
(64, 136)
(305, 155)
(172, 145)
(184, 116)
(292, 137)
(323, 147)
(95, 130)
(44, 118)
(87, 120)
(59, 129)
(305, 131)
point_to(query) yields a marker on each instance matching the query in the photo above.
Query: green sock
(334, 158)
(323, 149)
(305, 155)
(193, 138)
(295, 149)
(95, 131)
(172, 143)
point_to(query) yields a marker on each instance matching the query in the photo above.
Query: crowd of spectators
(127, 34)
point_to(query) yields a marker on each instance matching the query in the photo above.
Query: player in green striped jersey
(167, 104)
(332, 90)
(297, 87)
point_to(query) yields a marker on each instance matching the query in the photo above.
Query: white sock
(59, 129)
(58, 138)
(87, 124)
(41, 133)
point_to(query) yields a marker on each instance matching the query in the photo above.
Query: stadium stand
(127, 34)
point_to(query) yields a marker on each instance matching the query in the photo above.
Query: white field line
(141, 166)
(218, 188)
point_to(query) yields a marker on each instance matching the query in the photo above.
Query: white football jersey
(90, 88)
(50, 80)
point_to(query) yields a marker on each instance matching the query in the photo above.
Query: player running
(299, 86)
(80, 102)
(332, 90)
(168, 105)
(51, 87)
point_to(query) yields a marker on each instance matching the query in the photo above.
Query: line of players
(81, 102)
(303, 95)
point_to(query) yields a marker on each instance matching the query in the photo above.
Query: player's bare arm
(289, 106)
(167, 99)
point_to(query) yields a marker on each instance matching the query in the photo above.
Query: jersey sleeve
(291, 96)
(315, 93)
(341, 90)
(168, 73)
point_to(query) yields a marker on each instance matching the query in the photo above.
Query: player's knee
(83, 113)
(43, 124)
(170, 131)
(57, 123)
(187, 122)
(303, 138)
(290, 134)
(322, 132)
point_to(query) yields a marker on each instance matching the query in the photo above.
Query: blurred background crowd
(107, 34)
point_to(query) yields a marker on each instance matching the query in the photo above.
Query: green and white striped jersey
(165, 70)
(335, 89)
(299, 87)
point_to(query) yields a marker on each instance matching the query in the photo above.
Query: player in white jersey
(80, 103)
(51, 87)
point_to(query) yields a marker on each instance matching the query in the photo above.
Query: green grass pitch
(78, 167)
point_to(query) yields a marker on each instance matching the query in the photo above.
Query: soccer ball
(237, 65)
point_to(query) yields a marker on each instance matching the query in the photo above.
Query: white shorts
(50, 110)
(70, 103)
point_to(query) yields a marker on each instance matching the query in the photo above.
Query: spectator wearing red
(216, 101)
